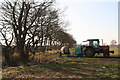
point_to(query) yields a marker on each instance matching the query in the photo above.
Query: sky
(91, 19)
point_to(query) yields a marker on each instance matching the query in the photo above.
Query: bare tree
(7, 35)
(113, 42)
(32, 25)
(47, 25)
(21, 17)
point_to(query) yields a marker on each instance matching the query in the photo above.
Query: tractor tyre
(106, 54)
(89, 52)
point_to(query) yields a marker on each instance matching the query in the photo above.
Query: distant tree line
(31, 26)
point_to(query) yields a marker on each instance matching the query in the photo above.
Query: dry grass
(49, 65)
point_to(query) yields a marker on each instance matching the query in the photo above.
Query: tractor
(94, 47)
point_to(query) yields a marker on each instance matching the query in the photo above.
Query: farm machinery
(94, 47)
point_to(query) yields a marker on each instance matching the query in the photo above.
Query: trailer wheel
(89, 52)
(106, 54)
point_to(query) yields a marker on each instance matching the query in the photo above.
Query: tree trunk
(6, 56)
(23, 56)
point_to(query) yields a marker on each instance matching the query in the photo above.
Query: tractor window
(95, 43)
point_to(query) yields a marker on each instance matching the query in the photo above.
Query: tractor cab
(94, 43)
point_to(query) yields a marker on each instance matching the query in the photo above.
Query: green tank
(78, 50)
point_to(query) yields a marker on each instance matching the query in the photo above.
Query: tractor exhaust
(102, 42)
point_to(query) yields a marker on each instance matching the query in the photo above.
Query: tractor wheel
(106, 54)
(89, 52)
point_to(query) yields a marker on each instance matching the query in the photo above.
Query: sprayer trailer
(94, 47)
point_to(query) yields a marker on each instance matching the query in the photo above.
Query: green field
(49, 65)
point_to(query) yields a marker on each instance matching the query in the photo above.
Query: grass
(53, 66)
